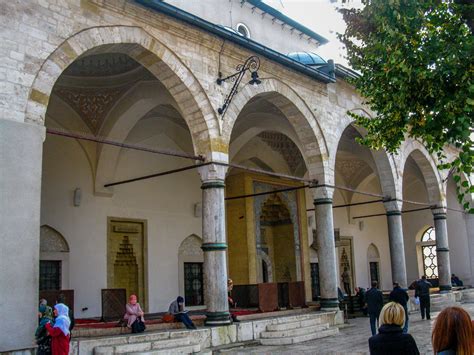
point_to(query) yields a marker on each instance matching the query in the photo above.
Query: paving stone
(352, 339)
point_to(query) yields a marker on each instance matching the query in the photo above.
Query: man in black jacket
(422, 291)
(400, 296)
(374, 302)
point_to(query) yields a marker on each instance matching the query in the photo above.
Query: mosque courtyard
(352, 339)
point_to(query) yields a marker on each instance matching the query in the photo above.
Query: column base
(217, 318)
(329, 304)
(445, 288)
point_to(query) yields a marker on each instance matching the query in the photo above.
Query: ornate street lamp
(252, 64)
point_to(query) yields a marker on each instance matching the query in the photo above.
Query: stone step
(142, 347)
(299, 339)
(294, 324)
(295, 331)
(181, 350)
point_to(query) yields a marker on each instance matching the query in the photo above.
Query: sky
(322, 17)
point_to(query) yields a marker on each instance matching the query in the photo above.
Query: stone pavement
(352, 339)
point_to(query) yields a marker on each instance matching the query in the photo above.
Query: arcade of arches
(176, 234)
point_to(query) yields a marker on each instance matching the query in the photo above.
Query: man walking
(400, 296)
(422, 291)
(374, 302)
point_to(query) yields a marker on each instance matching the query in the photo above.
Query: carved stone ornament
(191, 246)
(91, 104)
(349, 167)
(284, 146)
(52, 241)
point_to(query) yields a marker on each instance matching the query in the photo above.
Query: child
(60, 331)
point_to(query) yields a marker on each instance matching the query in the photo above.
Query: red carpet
(94, 323)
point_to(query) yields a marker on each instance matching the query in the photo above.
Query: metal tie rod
(123, 145)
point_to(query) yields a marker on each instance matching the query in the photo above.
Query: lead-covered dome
(307, 58)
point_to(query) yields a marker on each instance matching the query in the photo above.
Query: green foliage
(416, 64)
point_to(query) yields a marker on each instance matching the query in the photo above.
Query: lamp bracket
(251, 64)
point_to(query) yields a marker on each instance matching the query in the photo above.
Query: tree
(416, 64)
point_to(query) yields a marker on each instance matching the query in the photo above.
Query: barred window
(428, 253)
(50, 275)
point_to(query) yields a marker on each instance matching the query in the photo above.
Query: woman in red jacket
(60, 331)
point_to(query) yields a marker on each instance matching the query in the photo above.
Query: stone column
(396, 242)
(21, 147)
(214, 244)
(470, 240)
(326, 247)
(442, 248)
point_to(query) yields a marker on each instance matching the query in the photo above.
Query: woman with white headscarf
(60, 331)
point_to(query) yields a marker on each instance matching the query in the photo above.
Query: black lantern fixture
(252, 64)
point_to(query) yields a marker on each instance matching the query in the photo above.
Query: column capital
(439, 212)
(212, 173)
(393, 207)
(322, 193)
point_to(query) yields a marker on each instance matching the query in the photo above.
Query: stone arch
(372, 252)
(426, 163)
(189, 251)
(134, 41)
(373, 256)
(191, 246)
(55, 248)
(313, 143)
(384, 163)
(51, 241)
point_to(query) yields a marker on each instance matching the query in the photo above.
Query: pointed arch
(310, 136)
(51, 241)
(428, 167)
(147, 50)
(384, 163)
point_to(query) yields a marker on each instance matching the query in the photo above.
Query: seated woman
(133, 311)
(180, 314)
(391, 339)
(453, 332)
(230, 300)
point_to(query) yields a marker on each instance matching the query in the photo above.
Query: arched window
(243, 30)
(428, 253)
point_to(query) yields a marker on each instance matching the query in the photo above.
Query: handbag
(168, 318)
(138, 326)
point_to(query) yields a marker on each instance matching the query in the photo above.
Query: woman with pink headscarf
(133, 311)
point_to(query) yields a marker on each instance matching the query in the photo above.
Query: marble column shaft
(214, 244)
(326, 247)
(442, 248)
(396, 242)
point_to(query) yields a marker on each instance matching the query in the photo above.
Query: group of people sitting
(456, 281)
(135, 316)
(53, 333)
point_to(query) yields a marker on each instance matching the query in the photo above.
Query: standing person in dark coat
(360, 294)
(422, 291)
(391, 340)
(374, 302)
(400, 296)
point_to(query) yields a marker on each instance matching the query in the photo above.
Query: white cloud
(322, 17)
